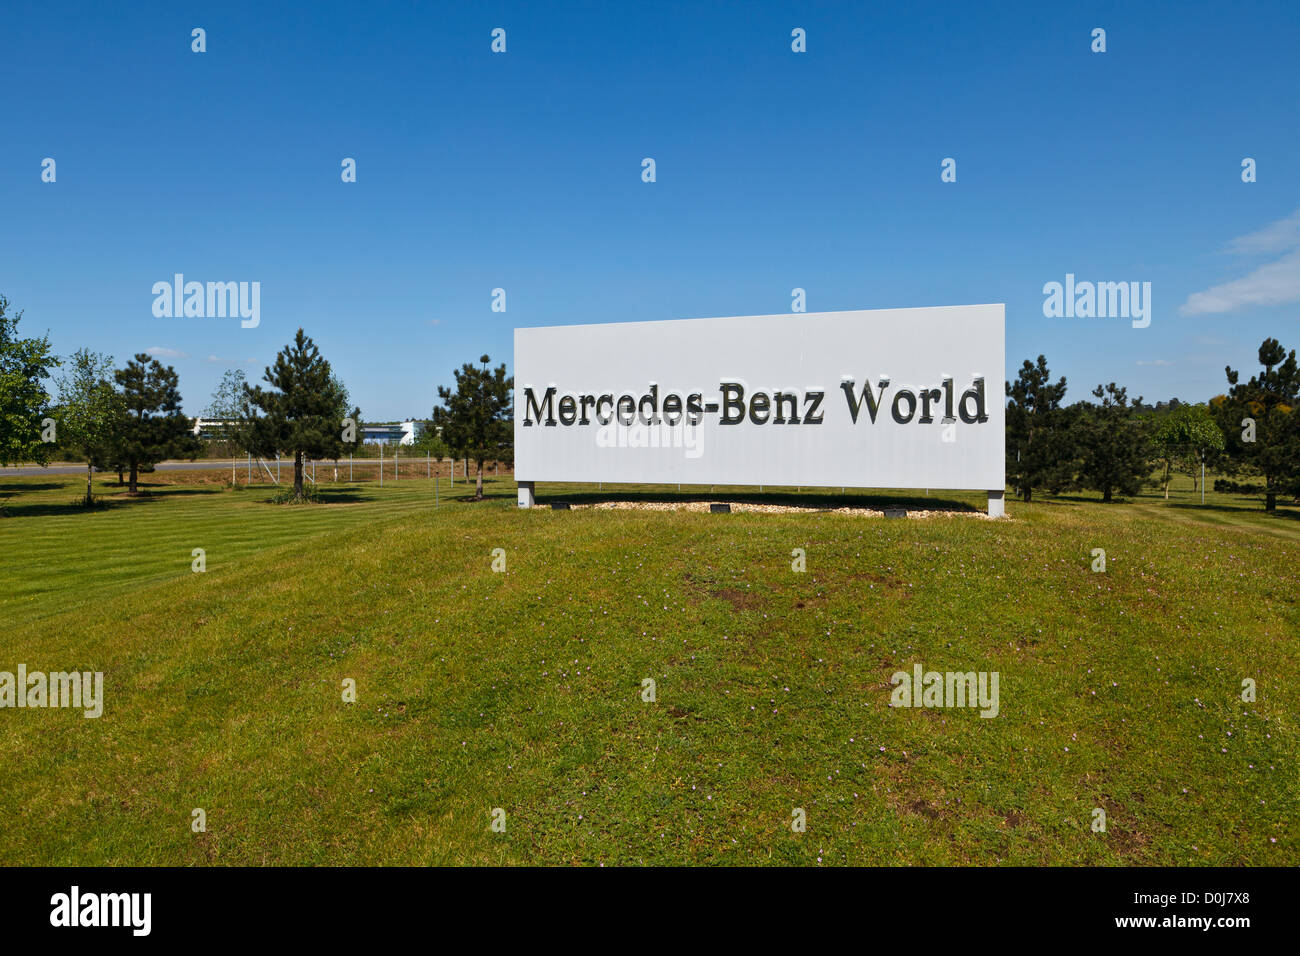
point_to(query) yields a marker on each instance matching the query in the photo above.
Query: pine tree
(301, 414)
(1040, 448)
(1259, 420)
(1289, 440)
(155, 428)
(1116, 453)
(478, 418)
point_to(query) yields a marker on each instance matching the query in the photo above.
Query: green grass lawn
(522, 690)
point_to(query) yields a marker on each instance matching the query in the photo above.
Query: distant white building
(214, 429)
(398, 433)
(389, 433)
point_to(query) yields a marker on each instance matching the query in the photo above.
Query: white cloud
(159, 352)
(1274, 283)
(1275, 237)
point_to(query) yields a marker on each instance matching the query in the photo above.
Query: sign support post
(526, 497)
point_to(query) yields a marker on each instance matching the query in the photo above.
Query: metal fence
(397, 468)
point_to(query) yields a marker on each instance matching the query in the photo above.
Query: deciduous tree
(90, 411)
(1188, 432)
(25, 364)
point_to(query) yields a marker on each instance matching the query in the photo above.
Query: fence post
(381, 464)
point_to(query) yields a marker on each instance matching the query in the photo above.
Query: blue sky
(522, 171)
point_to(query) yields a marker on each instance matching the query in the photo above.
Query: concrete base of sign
(526, 497)
(997, 504)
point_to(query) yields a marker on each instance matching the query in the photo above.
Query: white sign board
(891, 398)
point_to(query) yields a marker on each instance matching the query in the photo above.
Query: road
(63, 468)
(204, 464)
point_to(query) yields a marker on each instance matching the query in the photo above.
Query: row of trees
(124, 419)
(304, 413)
(128, 419)
(1114, 445)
